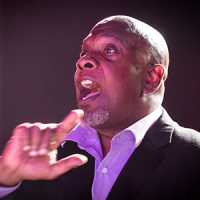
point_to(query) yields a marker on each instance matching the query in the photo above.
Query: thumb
(67, 125)
(65, 164)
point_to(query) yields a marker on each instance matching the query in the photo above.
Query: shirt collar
(83, 135)
(140, 128)
(87, 136)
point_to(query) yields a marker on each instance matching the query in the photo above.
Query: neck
(107, 132)
(105, 138)
(114, 125)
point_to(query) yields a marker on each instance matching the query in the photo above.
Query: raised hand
(30, 154)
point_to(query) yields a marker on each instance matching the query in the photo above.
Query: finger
(22, 133)
(14, 147)
(65, 164)
(46, 139)
(35, 138)
(53, 127)
(67, 125)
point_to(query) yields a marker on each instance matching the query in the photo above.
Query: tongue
(90, 95)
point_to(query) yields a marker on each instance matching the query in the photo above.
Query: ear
(153, 78)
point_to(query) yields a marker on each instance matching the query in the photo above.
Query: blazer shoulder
(183, 143)
(166, 132)
(187, 136)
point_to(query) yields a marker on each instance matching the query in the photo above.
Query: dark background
(40, 44)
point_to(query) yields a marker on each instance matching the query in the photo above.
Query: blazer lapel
(143, 161)
(76, 184)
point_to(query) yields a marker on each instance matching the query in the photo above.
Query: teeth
(87, 84)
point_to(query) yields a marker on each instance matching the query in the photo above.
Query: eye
(109, 50)
(83, 53)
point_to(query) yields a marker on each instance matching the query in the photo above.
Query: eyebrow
(106, 35)
(110, 36)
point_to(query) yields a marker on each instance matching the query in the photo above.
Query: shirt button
(105, 170)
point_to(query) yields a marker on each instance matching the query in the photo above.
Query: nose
(86, 62)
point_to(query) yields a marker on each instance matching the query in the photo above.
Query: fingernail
(26, 148)
(33, 153)
(80, 114)
(42, 152)
(84, 159)
(78, 111)
(54, 142)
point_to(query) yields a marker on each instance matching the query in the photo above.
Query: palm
(31, 155)
(34, 168)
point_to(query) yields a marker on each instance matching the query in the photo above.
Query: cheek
(122, 81)
(127, 87)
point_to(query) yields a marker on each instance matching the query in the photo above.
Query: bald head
(147, 43)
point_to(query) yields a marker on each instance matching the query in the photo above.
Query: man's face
(108, 84)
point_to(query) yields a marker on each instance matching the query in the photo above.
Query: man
(134, 149)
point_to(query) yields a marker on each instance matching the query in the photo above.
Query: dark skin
(130, 86)
(19, 160)
(124, 86)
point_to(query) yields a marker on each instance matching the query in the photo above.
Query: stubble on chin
(94, 118)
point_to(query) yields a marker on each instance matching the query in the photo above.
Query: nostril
(80, 67)
(88, 65)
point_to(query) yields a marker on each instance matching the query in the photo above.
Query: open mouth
(89, 89)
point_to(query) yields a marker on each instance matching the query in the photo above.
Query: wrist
(7, 178)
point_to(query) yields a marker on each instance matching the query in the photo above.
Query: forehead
(107, 32)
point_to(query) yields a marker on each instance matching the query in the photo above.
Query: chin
(95, 118)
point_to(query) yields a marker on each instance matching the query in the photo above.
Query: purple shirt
(123, 145)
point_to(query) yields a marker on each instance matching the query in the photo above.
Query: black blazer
(165, 166)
